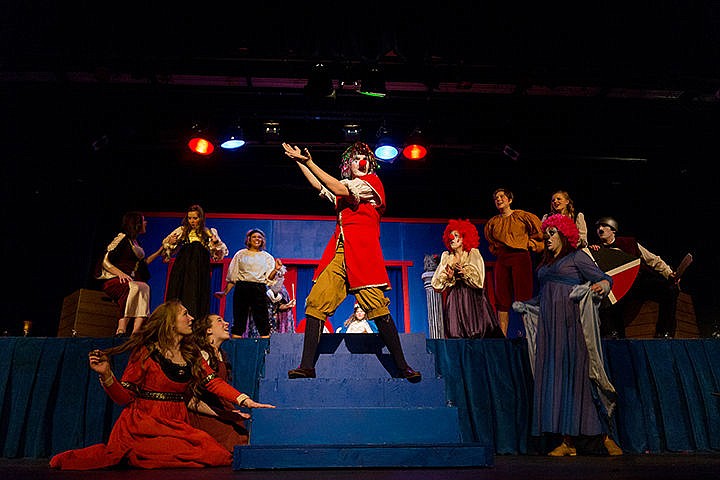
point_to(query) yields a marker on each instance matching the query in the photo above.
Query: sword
(683, 266)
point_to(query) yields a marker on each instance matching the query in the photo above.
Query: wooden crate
(640, 322)
(88, 313)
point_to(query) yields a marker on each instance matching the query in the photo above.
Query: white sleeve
(655, 262)
(361, 191)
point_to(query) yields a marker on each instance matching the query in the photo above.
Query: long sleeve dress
(153, 430)
(227, 427)
(190, 279)
(466, 307)
(566, 398)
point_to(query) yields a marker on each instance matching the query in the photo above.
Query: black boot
(389, 335)
(311, 340)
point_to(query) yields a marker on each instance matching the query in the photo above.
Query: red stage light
(414, 152)
(201, 146)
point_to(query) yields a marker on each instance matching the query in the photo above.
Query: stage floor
(510, 467)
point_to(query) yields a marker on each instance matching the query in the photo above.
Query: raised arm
(315, 175)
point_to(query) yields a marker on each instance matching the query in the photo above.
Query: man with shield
(655, 281)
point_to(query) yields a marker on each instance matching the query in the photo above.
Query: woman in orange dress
(164, 370)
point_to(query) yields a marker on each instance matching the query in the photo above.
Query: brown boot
(613, 449)
(563, 450)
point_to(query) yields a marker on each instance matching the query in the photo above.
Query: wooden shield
(621, 266)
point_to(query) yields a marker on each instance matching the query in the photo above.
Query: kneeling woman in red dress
(165, 368)
(209, 412)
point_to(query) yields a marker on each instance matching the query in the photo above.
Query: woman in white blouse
(251, 270)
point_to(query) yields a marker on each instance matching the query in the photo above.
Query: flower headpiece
(565, 225)
(357, 148)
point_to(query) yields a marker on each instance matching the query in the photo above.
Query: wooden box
(640, 323)
(88, 313)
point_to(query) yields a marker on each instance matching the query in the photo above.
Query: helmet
(609, 221)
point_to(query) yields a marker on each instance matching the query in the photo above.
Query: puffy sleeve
(269, 267)
(106, 263)
(218, 249)
(440, 280)
(327, 194)
(170, 244)
(474, 269)
(582, 229)
(232, 273)
(536, 242)
(361, 191)
(489, 231)
(655, 262)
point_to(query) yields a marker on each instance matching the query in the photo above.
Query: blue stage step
(357, 456)
(356, 413)
(353, 392)
(354, 426)
(349, 365)
(331, 343)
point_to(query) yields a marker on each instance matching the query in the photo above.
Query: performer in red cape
(352, 261)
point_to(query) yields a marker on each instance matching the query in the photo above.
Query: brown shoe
(301, 373)
(613, 449)
(411, 375)
(563, 450)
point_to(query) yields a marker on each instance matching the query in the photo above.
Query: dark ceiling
(591, 98)
(616, 102)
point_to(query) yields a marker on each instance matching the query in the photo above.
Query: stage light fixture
(385, 149)
(200, 142)
(373, 84)
(348, 79)
(233, 138)
(271, 130)
(319, 83)
(352, 132)
(415, 148)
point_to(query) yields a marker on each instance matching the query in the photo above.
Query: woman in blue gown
(573, 396)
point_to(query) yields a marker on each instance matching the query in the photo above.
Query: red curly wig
(565, 225)
(468, 232)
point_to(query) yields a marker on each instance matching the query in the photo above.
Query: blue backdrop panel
(305, 239)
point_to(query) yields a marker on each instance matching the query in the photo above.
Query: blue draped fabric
(50, 401)
(490, 383)
(665, 394)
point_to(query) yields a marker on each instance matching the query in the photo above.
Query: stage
(507, 467)
(668, 418)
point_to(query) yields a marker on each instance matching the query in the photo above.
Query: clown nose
(363, 165)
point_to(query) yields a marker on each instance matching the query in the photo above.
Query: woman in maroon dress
(208, 412)
(165, 368)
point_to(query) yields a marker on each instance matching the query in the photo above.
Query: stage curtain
(489, 382)
(50, 401)
(665, 394)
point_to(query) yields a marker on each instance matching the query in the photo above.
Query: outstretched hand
(296, 154)
(250, 403)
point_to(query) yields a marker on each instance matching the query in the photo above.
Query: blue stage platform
(357, 413)
(50, 401)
